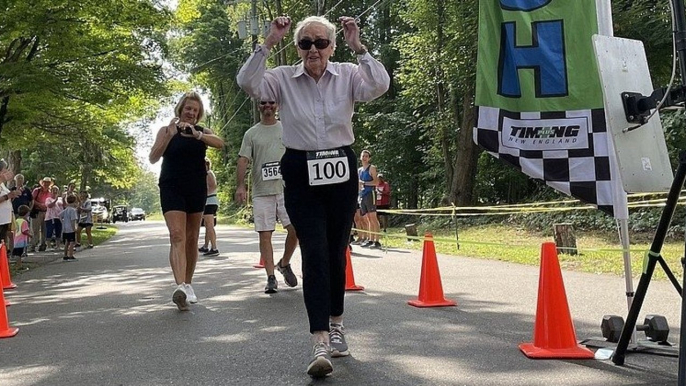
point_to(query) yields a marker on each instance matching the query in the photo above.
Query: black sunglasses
(320, 44)
(265, 102)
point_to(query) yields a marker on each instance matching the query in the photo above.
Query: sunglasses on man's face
(267, 102)
(320, 44)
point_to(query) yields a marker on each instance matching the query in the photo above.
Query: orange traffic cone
(260, 264)
(349, 276)
(430, 286)
(5, 330)
(5, 278)
(554, 335)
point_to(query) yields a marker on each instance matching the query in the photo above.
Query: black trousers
(322, 217)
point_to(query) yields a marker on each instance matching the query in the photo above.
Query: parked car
(99, 210)
(100, 214)
(120, 213)
(137, 214)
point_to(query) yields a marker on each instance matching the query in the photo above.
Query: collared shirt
(315, 115)
(5, 206)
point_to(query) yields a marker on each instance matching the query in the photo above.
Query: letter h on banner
(546, 54)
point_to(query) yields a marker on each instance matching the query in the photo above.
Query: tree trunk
(3, 112)
(14, 161)
(440, 97)
(413, 194)
(462, 188)
(565, 240)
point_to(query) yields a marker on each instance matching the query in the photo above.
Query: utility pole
(281, 57)
(254, 30)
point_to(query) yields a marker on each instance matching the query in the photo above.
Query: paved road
(108, 320)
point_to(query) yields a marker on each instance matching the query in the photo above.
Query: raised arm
(162, 140)
(210, 138)
(371, 79)
(251, 77)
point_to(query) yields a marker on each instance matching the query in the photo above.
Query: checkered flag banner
(539, 98)
(568, 150)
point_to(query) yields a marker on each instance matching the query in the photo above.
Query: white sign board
(641, 153)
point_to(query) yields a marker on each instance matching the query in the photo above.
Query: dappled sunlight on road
(112, 309)
(18, 375)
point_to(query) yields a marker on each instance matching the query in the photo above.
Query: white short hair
(330, 28)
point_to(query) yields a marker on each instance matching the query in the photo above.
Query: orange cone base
(10, 286)
(259, 265)
(439, 303)
(10, 332)
(578, 352)
(354, 288)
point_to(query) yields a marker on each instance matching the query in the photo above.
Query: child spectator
(53, 224)
(22, 233)
(85, 219)
(69, 217)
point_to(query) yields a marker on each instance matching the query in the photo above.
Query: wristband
(200, 136)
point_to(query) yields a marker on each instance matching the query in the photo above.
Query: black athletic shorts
(211, 209)
(68, 236)
(367, 204)
(188, 198)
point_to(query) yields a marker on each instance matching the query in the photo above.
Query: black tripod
(637, 107)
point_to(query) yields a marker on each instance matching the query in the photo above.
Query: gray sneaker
(272, 285)
(179, 297)
(337, 341)
(288, 275)
(211, 252)
(320, 366)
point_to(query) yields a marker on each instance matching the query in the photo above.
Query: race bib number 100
(327, 167)
(271, 171)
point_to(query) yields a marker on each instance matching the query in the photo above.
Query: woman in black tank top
(182, 145)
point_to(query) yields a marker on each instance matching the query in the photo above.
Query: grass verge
(598, 253)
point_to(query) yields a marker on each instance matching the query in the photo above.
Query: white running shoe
(179, 297)
(190, 294)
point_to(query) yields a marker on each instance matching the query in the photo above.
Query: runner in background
(383, 200)
(262, 145)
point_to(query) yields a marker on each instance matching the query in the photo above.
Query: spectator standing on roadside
(40, 195)
(53, 224)
(262, 145)
(210, 214)
(25, 197)
(6, 197)
(383, 200)
(85, 212)
(69, 218)
(22, 233)
(69, 191)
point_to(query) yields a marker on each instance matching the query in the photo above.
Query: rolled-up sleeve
(254, 79)
(371, 80)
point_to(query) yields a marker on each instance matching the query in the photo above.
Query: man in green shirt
(263, 147)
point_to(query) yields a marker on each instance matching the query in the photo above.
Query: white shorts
(266, 209)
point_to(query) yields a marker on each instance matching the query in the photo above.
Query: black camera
(186, 130)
